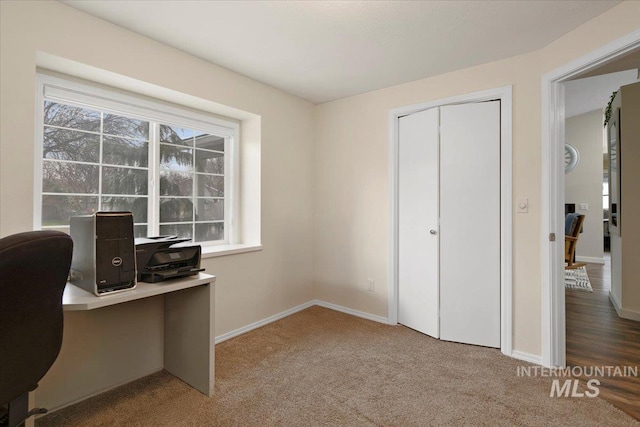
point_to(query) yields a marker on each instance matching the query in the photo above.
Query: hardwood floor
(596, 336)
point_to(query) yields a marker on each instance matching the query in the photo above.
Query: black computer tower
(104, 257)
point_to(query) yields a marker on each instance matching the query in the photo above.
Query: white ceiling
(326, 50)
(593, 93)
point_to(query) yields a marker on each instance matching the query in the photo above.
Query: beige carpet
(321, 367)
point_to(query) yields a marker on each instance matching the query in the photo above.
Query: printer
(163, 257)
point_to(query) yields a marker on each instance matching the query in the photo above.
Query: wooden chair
(573, 228)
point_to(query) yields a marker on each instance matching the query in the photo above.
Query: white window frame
(87, 95)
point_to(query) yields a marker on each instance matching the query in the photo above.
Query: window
(605, 194)
(105, 151)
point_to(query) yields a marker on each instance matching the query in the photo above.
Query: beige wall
(629, 201)
(324, 169)
(584, 183)
(625, 288)
(352, 196)
(250, 286)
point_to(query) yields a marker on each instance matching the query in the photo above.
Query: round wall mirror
(571, 157)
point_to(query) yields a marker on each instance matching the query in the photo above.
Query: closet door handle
(433, 232)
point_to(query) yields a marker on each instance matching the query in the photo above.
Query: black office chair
(33, 273)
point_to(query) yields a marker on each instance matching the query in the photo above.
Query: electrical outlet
(372, 284)
(584, 206)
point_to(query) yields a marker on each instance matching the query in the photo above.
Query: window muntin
(93, 160)
(191, 183)
(99, 159)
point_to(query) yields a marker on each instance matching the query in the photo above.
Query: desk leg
(189, 336)
(31, 421)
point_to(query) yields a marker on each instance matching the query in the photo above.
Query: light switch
(522, 205)
(584, 206)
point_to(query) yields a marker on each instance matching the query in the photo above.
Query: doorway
(505, 202)
(553, 131)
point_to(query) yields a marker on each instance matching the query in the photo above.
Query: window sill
(222, 250)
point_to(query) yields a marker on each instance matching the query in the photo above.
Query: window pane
(210, 185)
(94, 159)
(65, 144)
(125, 126)
(59, 177)
(125, 152)
(210, 142)
(209, 162)
(210, 210)
(176, 184)
(176, 210)
(71, 117)
(140, 230)
(124, 181)
(135, 205)
(180, 230)
(176, 158)
(176, 135)
(56, 210)
(209, 231)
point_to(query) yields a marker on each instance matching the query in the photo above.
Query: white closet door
(417, 215)
(470, 223)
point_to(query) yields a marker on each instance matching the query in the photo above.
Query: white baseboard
(615, 302)
(351, 311)
(266, 321)
(589, 259)
(622, 312)
(515, 354)
(241, 331)
(282, 315)
(526, 357)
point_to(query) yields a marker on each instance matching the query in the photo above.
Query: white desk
(189, 335)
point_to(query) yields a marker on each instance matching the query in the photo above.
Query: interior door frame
(504, 94)
(552, 221)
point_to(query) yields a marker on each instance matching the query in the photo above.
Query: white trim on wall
(552, 221)
(622, 312)
(289, 312)
(504, 94)
(537, 360)
(263, 322)
(351, 311)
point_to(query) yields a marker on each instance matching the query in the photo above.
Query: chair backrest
(33, 273)
(573, 224)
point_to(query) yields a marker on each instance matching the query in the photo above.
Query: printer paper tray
(159, 276)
